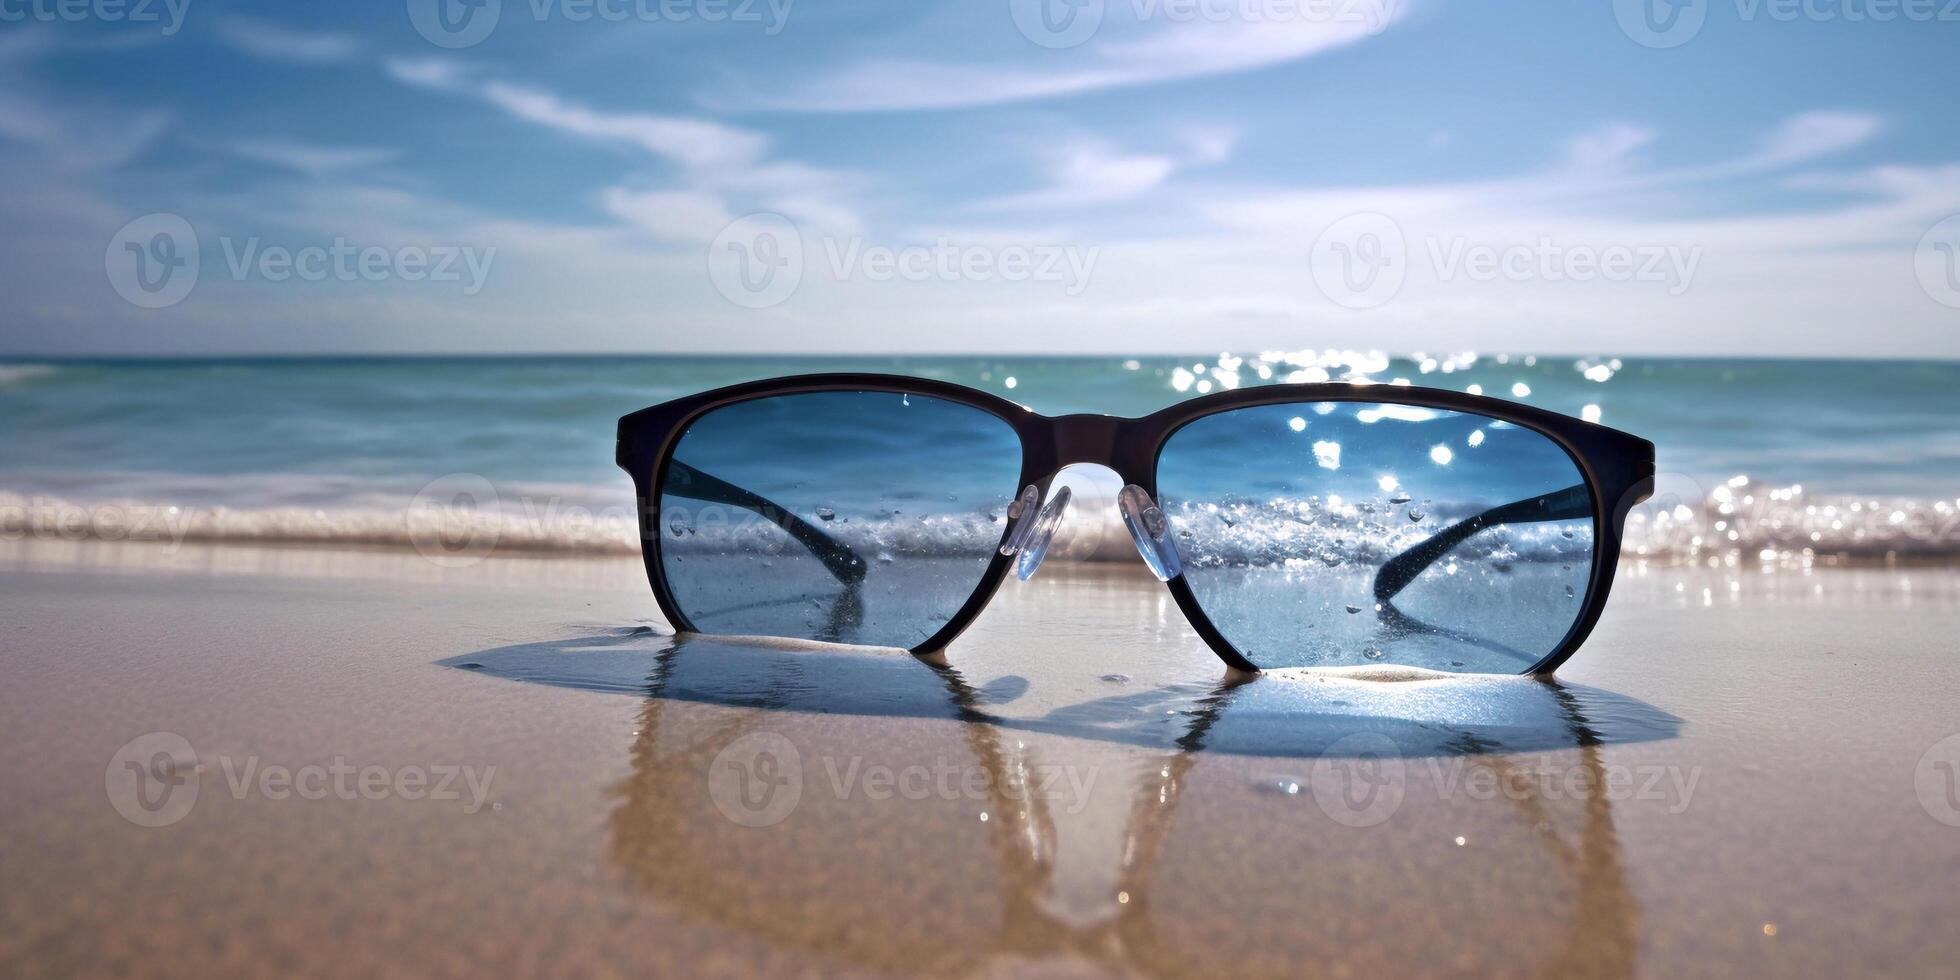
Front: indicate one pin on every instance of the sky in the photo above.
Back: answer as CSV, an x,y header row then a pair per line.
x,y
1720,177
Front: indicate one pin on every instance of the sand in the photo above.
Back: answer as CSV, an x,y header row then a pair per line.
x,y
1728,780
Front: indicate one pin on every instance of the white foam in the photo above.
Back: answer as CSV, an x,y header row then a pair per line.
x,y
15,373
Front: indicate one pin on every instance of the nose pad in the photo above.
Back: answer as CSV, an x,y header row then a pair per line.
x,y
1021,519
1041,533
1151,531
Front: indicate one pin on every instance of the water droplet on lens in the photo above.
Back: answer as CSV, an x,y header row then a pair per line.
x,y
1456,663
1353,609
885,558
1399,498
1331,559
1565,534
1116,678
1372,654
1416,516
825,513
1568,592
677,524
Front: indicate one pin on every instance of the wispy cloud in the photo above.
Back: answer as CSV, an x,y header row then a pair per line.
x,y
695,143
690,142
1092,172
685,216
277,42
314,161
715,165
1139,50
73,134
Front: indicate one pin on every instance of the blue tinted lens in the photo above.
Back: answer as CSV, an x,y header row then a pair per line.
x,y
1350,533
847,517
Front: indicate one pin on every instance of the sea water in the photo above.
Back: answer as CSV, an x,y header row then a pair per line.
x,y
1795,460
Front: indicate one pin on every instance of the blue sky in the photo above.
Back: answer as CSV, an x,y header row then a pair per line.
x,y
1107,176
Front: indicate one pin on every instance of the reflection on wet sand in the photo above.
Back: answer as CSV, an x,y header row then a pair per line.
x,y
1178,830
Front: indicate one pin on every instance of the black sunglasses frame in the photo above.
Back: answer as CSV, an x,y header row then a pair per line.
x,y
1618,470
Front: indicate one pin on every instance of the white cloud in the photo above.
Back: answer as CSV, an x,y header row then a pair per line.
x,y
1092,172
686,216
314,161
1210,144
721,168
1127,50
1813,135
70,135
1607,148
276,42
695,143
436,73
689,142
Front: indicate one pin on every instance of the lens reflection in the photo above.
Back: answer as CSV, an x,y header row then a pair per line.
x,y
1351,533
846,517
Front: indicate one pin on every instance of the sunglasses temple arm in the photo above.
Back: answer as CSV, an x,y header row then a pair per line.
x,y
838,557
1570,503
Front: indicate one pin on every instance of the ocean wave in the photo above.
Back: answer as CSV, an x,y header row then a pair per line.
x,y
15,373
1735,524
435,531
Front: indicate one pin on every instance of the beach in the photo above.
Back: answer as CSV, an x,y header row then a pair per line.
x,y
408,768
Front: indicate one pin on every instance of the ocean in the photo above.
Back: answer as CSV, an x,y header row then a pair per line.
x,y
1802,459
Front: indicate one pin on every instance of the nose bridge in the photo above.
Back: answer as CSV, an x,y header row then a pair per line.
x,y
1086,439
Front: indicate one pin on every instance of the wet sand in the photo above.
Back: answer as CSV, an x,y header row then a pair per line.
x,y
1728,780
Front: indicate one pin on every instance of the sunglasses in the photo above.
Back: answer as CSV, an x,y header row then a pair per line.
x,y
1295,525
